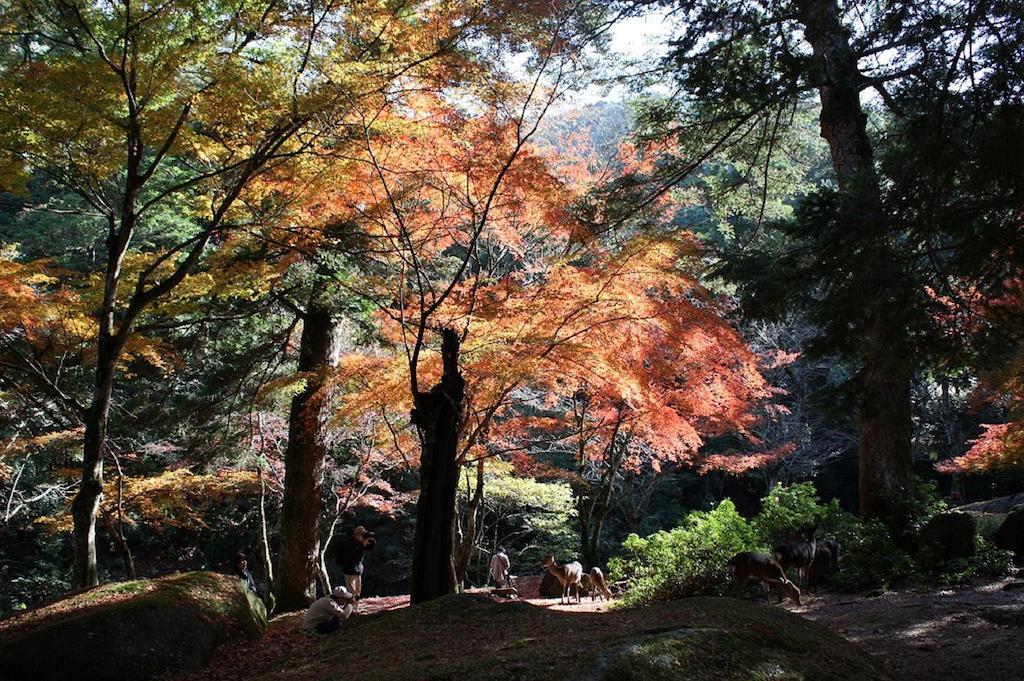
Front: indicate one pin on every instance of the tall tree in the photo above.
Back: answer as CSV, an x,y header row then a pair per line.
x,y
189,102
742,70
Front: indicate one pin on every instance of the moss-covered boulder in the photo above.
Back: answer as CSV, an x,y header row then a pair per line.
x,y
130,631
471,637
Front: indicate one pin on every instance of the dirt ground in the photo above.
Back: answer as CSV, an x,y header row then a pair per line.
x,y
962,633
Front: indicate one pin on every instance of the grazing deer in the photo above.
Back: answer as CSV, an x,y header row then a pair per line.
x,y
760,566
797,554
570,574
598,586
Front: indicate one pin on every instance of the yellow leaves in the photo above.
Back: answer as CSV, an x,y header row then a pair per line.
x,y
284,387
53,319
57,438
176,498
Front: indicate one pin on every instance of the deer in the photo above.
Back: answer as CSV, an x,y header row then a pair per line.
x,y
598,585
797,554
826,561
760,566
569,574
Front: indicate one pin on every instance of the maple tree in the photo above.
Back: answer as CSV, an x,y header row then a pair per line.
x,y
346,217
547,309
189,103
1000,447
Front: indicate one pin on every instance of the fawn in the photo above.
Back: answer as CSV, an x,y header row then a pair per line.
x,y
570,574
797,554
598,585
760,566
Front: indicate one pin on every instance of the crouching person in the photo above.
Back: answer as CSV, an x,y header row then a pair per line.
x,y
326,614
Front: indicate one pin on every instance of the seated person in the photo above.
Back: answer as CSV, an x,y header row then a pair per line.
x,y
326,614
240,567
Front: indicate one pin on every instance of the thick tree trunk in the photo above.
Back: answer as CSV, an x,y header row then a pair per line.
x,y
298,555
436,416
884,405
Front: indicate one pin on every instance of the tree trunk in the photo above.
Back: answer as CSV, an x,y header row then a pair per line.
x,y
87,502
297,560
884,404
268,564
436,416
117,531
463,550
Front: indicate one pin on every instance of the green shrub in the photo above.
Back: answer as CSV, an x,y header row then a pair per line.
x,y
686,561
869,558
911,509
691,559
786,511
989,562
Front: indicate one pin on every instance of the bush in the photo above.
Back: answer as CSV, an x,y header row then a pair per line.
x,y
989,562
786,511
686,561
691,559
911,510
869,558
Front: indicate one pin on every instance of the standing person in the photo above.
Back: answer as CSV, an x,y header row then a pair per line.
x,y
349,558
326,614
500,565
240,568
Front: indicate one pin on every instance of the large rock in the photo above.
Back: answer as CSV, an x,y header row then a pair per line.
x,y
470,637
550,587
1001,505
130,631
948,536
1010,535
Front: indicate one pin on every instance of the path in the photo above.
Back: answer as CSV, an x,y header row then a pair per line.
x,y
965,633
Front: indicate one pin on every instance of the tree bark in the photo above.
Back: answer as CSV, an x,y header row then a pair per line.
x,y
884,400
437,416
463,550
595,501
301,507
268,564
90,491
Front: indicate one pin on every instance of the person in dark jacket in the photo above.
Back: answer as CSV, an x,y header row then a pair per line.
x,y
349,557
240,568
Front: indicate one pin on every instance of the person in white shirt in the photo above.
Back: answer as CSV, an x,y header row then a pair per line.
x,y
326,614
500,565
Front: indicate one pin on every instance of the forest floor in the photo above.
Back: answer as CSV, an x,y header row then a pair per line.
x,y
964,633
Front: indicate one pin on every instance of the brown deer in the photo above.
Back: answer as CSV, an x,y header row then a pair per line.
x,y
598,585
797,554
569,574
760,566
